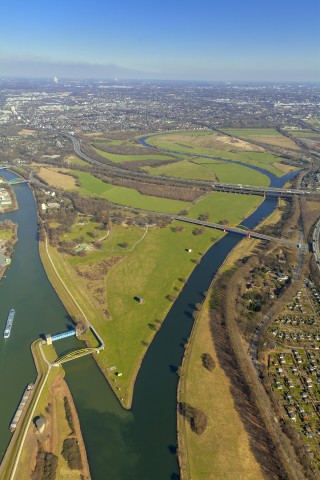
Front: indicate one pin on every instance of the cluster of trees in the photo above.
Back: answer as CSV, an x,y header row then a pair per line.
x,y
46,466
68,413
197,418
185,194
71,453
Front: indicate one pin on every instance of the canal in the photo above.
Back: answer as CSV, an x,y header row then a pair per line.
x,y
121,445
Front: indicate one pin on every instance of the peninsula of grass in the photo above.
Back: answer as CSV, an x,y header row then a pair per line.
x,y
171,142
133,263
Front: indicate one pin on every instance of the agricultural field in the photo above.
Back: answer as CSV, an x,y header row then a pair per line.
x,y
55,177
294,366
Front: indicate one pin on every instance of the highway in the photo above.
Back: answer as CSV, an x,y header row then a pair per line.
x,y
217,186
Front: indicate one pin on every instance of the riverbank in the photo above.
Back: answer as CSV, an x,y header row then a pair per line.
x,y
230,447
8,238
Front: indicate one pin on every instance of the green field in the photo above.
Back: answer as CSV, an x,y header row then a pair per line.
x,y
225,206
93,187
117,158
183,169
207,169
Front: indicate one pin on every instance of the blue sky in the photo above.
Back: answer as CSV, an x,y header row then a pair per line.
x,y
201,40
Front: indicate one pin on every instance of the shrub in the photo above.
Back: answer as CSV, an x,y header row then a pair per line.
x,y
71,453
68,414
208,362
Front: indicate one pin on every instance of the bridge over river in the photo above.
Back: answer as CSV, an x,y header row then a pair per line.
x,y
239,230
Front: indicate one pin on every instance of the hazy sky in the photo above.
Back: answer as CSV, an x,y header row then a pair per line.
x,y
176,39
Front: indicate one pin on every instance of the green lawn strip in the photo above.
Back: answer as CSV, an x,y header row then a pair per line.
x,y
183,169
232,173
223,450
92,186
225,206
117,158
251,132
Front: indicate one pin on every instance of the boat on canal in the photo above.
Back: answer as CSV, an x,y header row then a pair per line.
x,y
7,330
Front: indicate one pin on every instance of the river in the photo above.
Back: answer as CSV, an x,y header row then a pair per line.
x,y
121,445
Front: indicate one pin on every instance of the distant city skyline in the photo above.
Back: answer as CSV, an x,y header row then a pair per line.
x,y
207,40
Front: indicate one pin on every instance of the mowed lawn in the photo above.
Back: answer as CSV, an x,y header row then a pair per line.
x,y
222,452
92,186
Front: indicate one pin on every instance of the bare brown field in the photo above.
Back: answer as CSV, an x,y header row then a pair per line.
x,y
224,142
284,168
26,131
277,141
223,451
55,178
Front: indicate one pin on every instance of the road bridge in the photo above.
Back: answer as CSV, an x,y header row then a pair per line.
x,y
264,191
239,231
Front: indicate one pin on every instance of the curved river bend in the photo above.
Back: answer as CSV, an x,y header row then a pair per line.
x,y
121,445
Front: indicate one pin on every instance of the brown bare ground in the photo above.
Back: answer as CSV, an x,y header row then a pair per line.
x,y
217,142
55,178
26,131
283,167
224,142
283,142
